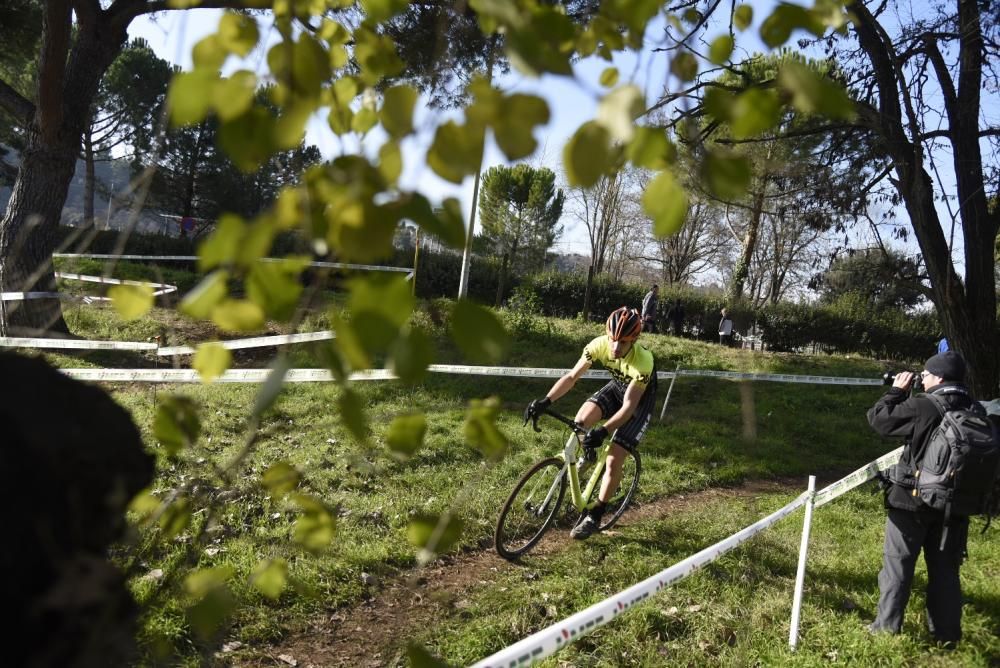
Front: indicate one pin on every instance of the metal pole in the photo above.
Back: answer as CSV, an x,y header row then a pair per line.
x,y
800,575
663,411
416,259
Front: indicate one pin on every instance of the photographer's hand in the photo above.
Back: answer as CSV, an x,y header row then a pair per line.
x,y
903,380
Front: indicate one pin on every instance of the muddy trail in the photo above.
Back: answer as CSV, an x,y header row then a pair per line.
x,y
372,632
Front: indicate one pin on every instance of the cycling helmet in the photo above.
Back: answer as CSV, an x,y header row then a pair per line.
x,y
624,324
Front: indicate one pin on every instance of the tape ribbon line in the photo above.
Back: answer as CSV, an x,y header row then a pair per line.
x,y
550,640
158,288
194,258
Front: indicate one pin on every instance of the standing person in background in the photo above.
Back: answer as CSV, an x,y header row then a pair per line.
x,y
675,315
943,345
726,329
649,306
912,526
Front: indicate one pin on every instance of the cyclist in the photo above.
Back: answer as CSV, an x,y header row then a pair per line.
x,y
625,403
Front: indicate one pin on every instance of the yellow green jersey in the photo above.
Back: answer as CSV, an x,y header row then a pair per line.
x,y
638,365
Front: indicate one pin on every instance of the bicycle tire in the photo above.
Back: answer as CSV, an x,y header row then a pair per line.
x,y
619,503
515,531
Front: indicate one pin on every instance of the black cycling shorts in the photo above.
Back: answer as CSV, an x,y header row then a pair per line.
x,y
610,398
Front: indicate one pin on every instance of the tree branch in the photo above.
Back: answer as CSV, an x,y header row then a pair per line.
x,y
16,104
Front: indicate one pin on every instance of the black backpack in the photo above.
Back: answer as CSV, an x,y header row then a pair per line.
x,y
957,470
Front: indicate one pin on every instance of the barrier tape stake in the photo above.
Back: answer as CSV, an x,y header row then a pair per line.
x,y
666,400
800,574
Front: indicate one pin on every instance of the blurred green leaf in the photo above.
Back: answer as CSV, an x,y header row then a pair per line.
x,y
719,104
351,407
411,354
684,66
214,602
609,77
271,388
248,139
390,161
755,111
813,93
397,111
389,295
223,244
131,301
364,120
743,17
457,151
144,504
727,176
316,527
434,534
786,17
238,33
351,346
209,53
481,430
478,332
206,295
587,155
406,434
176,517
445,224
238,315
176,424
211,360
421,658
515,124
376,54
720,49
270,577
280,479
190,96
618,110
233,96
650,148
274,288
666,203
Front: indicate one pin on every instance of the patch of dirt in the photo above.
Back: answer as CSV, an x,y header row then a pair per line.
x,y
373,632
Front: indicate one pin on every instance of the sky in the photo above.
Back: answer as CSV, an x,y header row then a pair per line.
x,y
571,102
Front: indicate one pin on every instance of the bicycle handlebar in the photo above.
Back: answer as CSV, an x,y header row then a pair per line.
x,y
580,431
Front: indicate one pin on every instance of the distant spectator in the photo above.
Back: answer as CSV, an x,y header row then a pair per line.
x,y
726,329
649,306
943,345
675,315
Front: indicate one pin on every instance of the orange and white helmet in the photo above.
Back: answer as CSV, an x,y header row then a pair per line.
x,y
624,324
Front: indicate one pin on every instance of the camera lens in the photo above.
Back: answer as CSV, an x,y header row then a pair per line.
x,y
888,378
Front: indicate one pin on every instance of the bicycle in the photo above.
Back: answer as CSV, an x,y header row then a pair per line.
x,y
531,508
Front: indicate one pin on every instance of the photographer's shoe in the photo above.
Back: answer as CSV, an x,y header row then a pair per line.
x,y
586,528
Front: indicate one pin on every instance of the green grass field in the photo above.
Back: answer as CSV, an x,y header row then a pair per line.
x,y
718,439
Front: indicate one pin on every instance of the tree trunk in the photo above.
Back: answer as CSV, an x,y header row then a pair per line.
x,y
66,90
502,279
742,270
88,180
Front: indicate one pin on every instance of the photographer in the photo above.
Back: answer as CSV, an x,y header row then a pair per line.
x,y
912,526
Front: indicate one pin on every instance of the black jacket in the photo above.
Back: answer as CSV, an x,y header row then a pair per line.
x,y
914,419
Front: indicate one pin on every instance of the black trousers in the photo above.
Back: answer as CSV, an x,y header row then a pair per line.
x,y
906,534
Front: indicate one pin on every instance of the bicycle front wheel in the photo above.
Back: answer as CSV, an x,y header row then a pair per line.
x,y
530,508
623,496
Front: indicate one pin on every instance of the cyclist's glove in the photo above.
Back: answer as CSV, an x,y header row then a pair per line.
x,y
536,408
594,438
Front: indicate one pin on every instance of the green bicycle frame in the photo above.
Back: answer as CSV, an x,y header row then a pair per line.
x,y
578,495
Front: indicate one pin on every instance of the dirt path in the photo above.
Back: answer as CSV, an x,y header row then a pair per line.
x,y
369,634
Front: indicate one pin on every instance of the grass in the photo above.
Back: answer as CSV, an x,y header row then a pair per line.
x,y
717,433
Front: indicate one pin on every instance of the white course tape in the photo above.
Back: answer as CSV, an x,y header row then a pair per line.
x,y
20,342
194,258
158,288
781,377
859,477
550,640
231,376
253,342
522,372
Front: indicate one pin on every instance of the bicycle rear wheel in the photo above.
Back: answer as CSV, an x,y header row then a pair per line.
x,y
530,508
623,496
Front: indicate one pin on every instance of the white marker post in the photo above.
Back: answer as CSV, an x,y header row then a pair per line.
x,y
800,575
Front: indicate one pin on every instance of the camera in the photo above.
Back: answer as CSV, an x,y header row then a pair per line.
x,y
916,385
